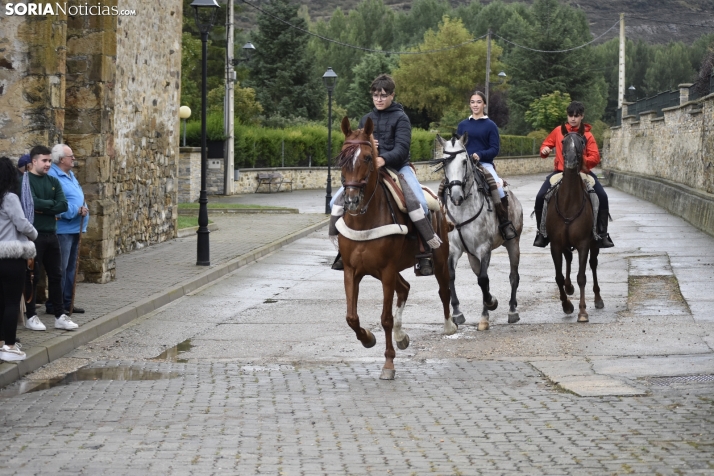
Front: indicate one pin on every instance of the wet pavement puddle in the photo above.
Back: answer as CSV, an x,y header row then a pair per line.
x,y
87,374
172,354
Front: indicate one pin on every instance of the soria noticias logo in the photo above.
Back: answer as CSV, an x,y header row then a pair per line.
x,y
48,8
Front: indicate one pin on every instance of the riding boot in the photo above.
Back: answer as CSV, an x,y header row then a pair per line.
x,y
604,241
508,231
540,240
337,264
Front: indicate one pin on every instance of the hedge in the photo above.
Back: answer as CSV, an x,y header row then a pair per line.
x,y
307,145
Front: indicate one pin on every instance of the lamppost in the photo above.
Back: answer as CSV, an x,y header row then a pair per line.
x,y
206,11
330,79
184,113
633,94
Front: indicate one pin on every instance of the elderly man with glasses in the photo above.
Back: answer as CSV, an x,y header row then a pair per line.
x,y
68,223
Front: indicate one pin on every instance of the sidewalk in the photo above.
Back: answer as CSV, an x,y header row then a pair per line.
x,y
152,277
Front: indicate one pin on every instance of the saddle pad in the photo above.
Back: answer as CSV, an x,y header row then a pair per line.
x,y
431,201
373,234
586,178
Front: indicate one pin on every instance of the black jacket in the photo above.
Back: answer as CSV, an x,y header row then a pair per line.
x,y
393,130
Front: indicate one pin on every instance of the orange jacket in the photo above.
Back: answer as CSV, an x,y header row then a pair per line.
x,y
591,155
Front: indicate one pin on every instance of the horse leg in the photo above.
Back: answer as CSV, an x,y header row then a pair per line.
x,y
490,303
352,291
594,252
444,271
401,337
569,288
514,257
582,280
458,316
557,255
389,283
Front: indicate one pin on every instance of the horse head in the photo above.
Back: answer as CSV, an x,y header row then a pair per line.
x,y
573,147
356,159
455,163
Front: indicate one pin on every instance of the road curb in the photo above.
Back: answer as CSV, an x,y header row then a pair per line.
x,y
61,345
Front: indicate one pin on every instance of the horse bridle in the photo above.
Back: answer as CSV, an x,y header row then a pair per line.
x,y
362,183
454,183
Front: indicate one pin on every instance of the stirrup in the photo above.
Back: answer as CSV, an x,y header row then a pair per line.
x,y
424,265
508,231
540,241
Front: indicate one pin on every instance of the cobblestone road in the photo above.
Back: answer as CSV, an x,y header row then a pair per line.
x,y
268,379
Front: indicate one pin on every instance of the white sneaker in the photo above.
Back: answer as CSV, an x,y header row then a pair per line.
x,y
34,323
12,354
64,322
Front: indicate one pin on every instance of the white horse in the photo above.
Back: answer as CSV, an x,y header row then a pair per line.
x,y
470,206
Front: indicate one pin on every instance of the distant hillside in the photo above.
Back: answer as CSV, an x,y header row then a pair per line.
x,y
653,21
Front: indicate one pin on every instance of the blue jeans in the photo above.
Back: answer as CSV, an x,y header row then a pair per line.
x,y
411,179
69,245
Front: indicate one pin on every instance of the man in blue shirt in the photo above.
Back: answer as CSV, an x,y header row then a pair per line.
x,y
68,223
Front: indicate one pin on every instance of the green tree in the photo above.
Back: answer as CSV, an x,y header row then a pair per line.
x,y
282,72
548,111
549,26
442,81
671,66
424,15
371,66
370,25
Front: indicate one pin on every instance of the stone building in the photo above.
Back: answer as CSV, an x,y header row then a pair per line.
x,y
107,83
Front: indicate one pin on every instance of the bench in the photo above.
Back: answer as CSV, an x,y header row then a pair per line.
x,y
272,178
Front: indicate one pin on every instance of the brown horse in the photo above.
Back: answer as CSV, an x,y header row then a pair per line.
x,y
369,206
569,224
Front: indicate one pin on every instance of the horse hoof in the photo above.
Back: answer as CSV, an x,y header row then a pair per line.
x,y
583,318
387,374
459,318
372,340
599,304
493,305
404,343
513,317
569,289
483,326
568,307
449,327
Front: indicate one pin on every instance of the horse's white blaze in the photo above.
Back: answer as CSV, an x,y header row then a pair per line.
x,y
356,157
397,330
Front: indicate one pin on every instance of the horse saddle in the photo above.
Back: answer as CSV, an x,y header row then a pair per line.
x,y
587,179
391,180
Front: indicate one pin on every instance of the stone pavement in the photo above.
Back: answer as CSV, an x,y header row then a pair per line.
x,y
151,277
268,379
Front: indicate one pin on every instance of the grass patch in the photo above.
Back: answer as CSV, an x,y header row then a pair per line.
x,y
194,206
188,222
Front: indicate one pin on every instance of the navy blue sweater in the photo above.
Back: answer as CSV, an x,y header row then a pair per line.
x,y
483,138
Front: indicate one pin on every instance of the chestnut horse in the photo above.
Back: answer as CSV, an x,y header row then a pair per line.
x,y
569,224
368,206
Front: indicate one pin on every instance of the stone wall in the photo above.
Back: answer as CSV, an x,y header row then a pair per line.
x,y
316,177
678,147
109,87
189,175
667,160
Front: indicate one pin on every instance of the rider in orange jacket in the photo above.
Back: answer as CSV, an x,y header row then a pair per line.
x,y
591,158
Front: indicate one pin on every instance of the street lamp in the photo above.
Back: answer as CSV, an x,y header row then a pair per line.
x,y
502,75
206,11
184,113
329,79
248,50
633,94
